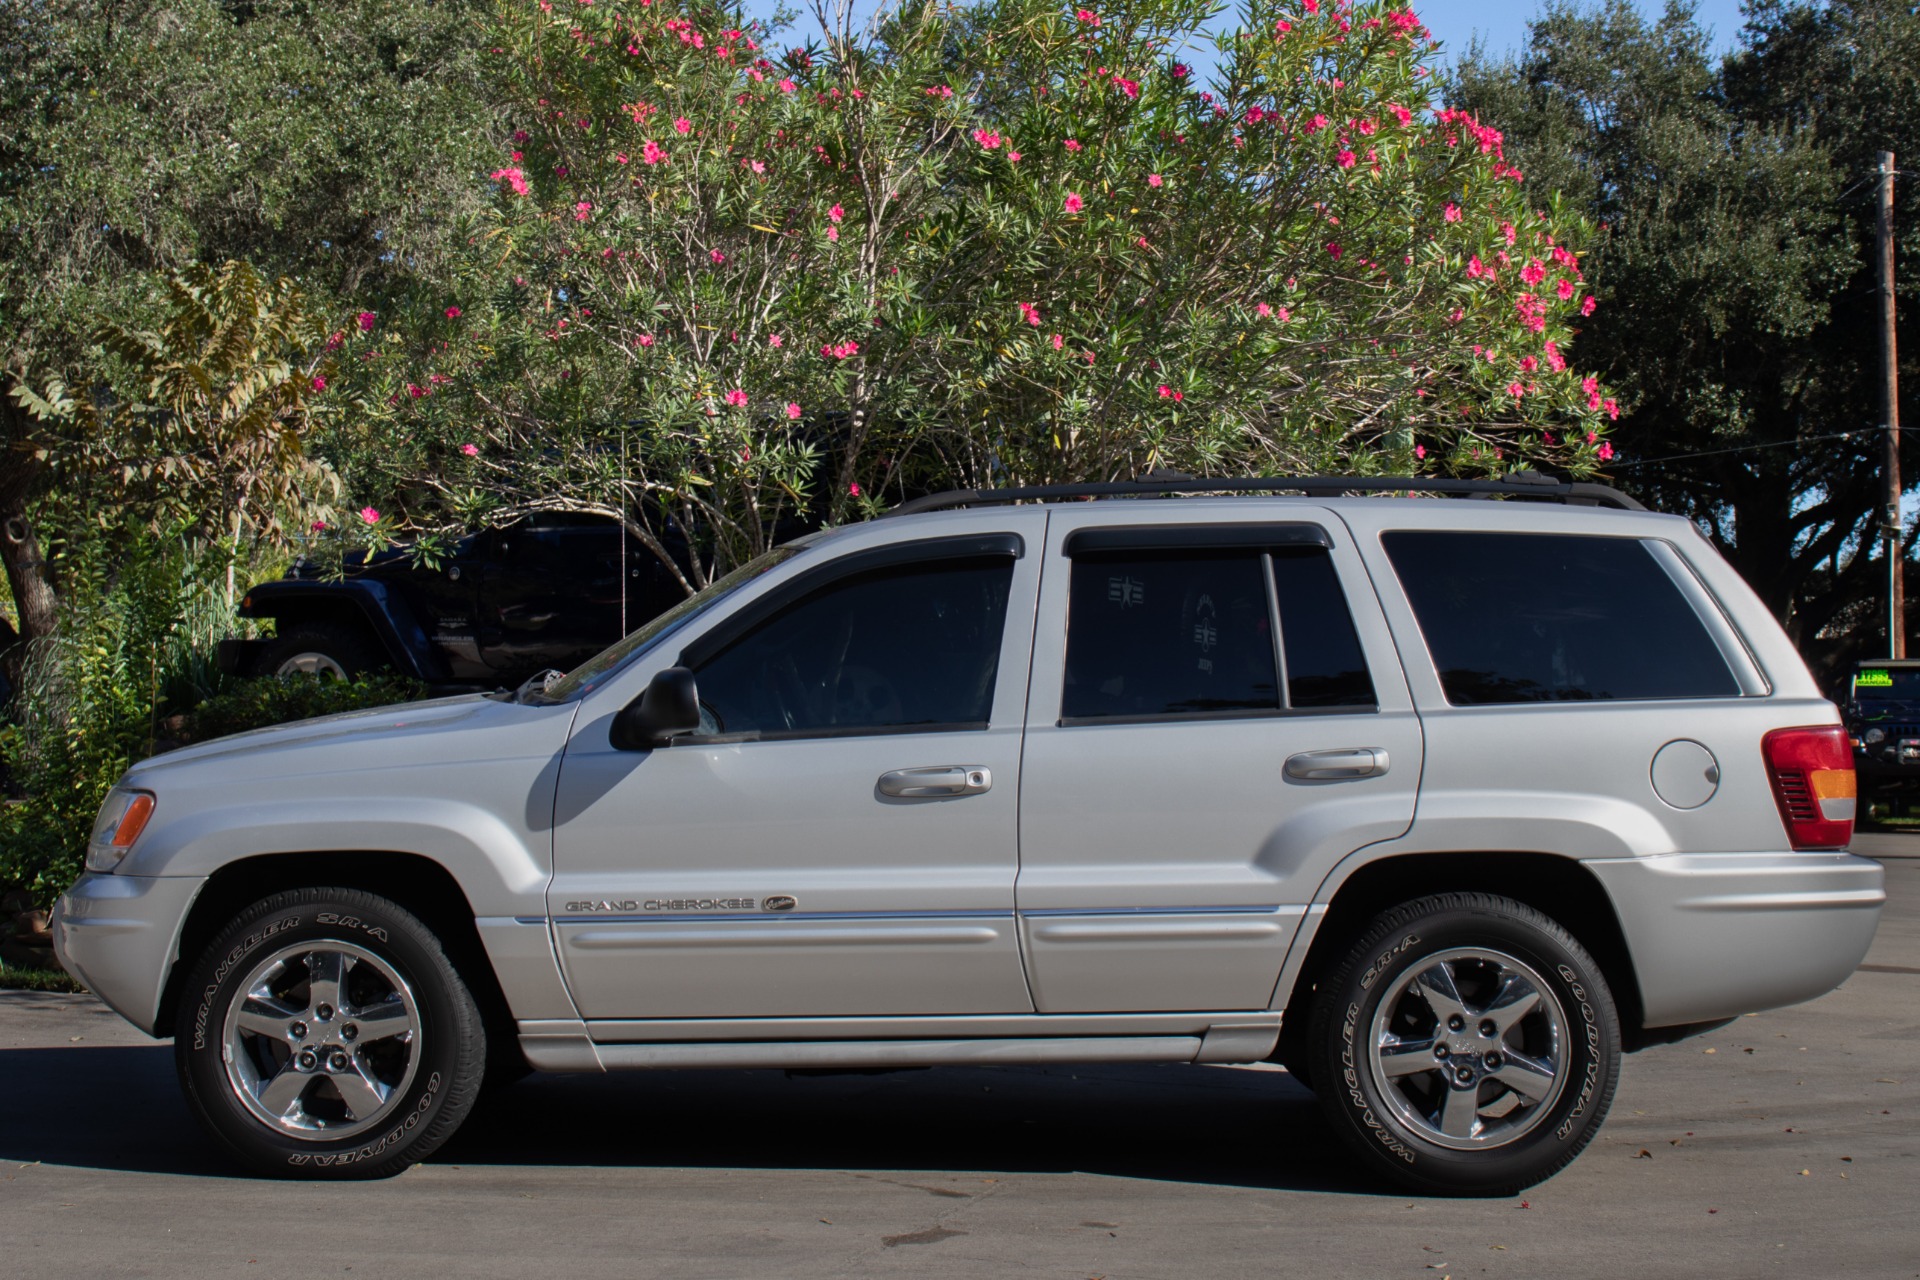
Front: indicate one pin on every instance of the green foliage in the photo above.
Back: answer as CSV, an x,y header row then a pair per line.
x,y
206,432
1735,279
19,978
256,704
989,242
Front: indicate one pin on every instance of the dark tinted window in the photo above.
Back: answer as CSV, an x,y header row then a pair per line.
x,y
1520,617
1166,633
891,650
1324,666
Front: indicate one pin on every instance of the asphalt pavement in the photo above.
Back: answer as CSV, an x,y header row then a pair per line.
x,y
1784,1143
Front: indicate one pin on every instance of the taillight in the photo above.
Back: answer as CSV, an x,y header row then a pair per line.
x,y
1812,774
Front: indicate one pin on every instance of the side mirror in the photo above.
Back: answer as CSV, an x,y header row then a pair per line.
x,y
669,706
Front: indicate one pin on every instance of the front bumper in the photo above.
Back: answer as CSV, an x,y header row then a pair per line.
x,y
120,935
1716,935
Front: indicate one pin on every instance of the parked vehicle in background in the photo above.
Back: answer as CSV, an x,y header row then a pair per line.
x,y
1882,711
1443,804
547,592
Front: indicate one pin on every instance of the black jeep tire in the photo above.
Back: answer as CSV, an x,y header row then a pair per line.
x,y
1466,1045
320,648
325,1034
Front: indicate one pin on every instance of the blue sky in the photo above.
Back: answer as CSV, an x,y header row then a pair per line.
x,y
1500,24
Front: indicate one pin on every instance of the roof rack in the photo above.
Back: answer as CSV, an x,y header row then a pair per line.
x,y
1518,484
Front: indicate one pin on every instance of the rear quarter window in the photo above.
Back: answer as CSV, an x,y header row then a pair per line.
x,y
1527,617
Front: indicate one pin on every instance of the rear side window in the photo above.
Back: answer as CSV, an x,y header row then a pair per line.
x,y
1525,617
1190,632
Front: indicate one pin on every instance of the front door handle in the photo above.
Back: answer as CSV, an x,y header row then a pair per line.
x,y
1347,762
938,780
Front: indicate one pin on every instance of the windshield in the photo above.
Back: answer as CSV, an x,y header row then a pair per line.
x,y
588,675
1886,684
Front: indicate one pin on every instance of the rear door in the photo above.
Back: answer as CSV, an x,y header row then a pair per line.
x,y
1216,715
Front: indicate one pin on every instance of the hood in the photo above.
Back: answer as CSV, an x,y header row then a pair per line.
x,y
467,728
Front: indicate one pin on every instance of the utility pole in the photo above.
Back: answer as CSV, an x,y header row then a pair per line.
x,y
1890,392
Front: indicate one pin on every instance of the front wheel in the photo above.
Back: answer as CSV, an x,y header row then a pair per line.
x,y
1467,1045
324,1034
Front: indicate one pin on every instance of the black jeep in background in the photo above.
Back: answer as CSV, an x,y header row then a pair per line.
x,y
1882,710
547,592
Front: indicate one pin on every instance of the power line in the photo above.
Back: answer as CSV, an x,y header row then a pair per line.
x,y
1749,448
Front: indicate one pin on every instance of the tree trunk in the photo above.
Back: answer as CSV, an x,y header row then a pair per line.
x,y
34,602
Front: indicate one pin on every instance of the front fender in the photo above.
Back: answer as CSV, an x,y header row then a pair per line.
x,y
385,612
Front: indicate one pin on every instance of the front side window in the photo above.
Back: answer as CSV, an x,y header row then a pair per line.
x,y
1190,631
912,648
1528,617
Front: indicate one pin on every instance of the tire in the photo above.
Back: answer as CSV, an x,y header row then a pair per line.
x,y
300,1082
322,649
1390,1059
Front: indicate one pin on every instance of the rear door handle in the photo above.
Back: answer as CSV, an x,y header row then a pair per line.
x,y
1346,762
935,781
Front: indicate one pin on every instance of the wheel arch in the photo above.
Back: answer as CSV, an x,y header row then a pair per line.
x,y
414,881
383,617
1557,886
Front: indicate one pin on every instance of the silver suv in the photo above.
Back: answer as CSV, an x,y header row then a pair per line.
x,y
1441,803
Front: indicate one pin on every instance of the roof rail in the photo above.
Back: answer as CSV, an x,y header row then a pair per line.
x,y
1518,484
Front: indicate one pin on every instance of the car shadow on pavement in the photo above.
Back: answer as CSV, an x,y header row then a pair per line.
x,y
120,1108
101,1107
1214,1125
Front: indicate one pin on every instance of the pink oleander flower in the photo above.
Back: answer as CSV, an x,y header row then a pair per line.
x,y
1564,289
1475,268
833,233
453,313
1586,307
1333,248
717,256
787,86
583,210
1281,28
1346,159
319,526
1263,311
736,397
793,410
1534,272
1311,6
1400,113
683,125
1515,390
1612,408
514,179
644,340
1451,213
1073,202
370,515
987,138
836,213
1031,314
366,319
1316,124
1606,451
854,488
1013,157
319,383
1419,451
1154,180
775,340
471,450
1087,16
1071,145
335,339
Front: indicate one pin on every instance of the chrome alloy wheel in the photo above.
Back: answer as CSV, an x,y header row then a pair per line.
x,y
311,663
322,1040
1469,1048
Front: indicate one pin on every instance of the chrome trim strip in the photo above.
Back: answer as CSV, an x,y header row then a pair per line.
x,y
903,1027
690,917
739,935
1272,909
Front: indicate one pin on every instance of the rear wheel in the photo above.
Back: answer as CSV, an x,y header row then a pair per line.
x,y
1466,1045
320,649
326,1035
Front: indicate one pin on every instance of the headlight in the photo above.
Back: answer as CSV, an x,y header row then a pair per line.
x,y
122,818
1872,736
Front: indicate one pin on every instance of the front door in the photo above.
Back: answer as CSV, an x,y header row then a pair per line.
x,y
839,838
1208,731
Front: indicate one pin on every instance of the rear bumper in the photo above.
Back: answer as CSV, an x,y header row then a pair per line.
x,y
118,934
1721,934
